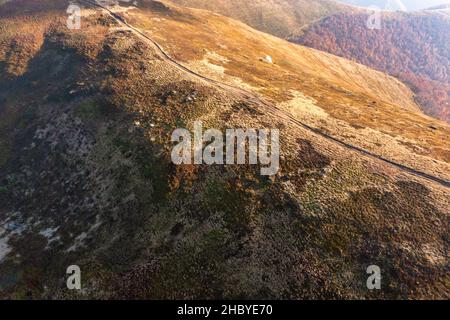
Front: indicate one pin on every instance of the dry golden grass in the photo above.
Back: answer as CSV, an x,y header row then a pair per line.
x,y
149,226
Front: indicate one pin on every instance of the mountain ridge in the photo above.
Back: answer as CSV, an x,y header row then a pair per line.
x,y
411,65
87,177
279,18
268,107
411,47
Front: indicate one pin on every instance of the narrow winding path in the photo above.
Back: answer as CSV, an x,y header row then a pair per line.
x,y
268,107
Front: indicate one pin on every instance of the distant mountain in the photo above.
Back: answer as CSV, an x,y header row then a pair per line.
x,y
277,17
396,4
87,118
439,7
411,46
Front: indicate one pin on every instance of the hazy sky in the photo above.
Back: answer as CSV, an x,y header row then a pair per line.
x,y
397,4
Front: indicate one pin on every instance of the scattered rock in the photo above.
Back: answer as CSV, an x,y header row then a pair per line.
x,y
268,59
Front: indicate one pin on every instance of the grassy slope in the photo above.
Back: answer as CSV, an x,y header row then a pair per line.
x,y
405,54
89,182
364,101
411,46
280,18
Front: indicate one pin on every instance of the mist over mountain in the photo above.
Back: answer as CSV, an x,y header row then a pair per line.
x,y
411,46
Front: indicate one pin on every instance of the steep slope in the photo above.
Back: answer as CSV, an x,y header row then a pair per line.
x,y
411,46
442,7
87,178
395,4
353,102
281,18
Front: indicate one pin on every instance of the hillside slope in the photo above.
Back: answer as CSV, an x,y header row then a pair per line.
x,y
410,46
394,5
86,118
414,47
